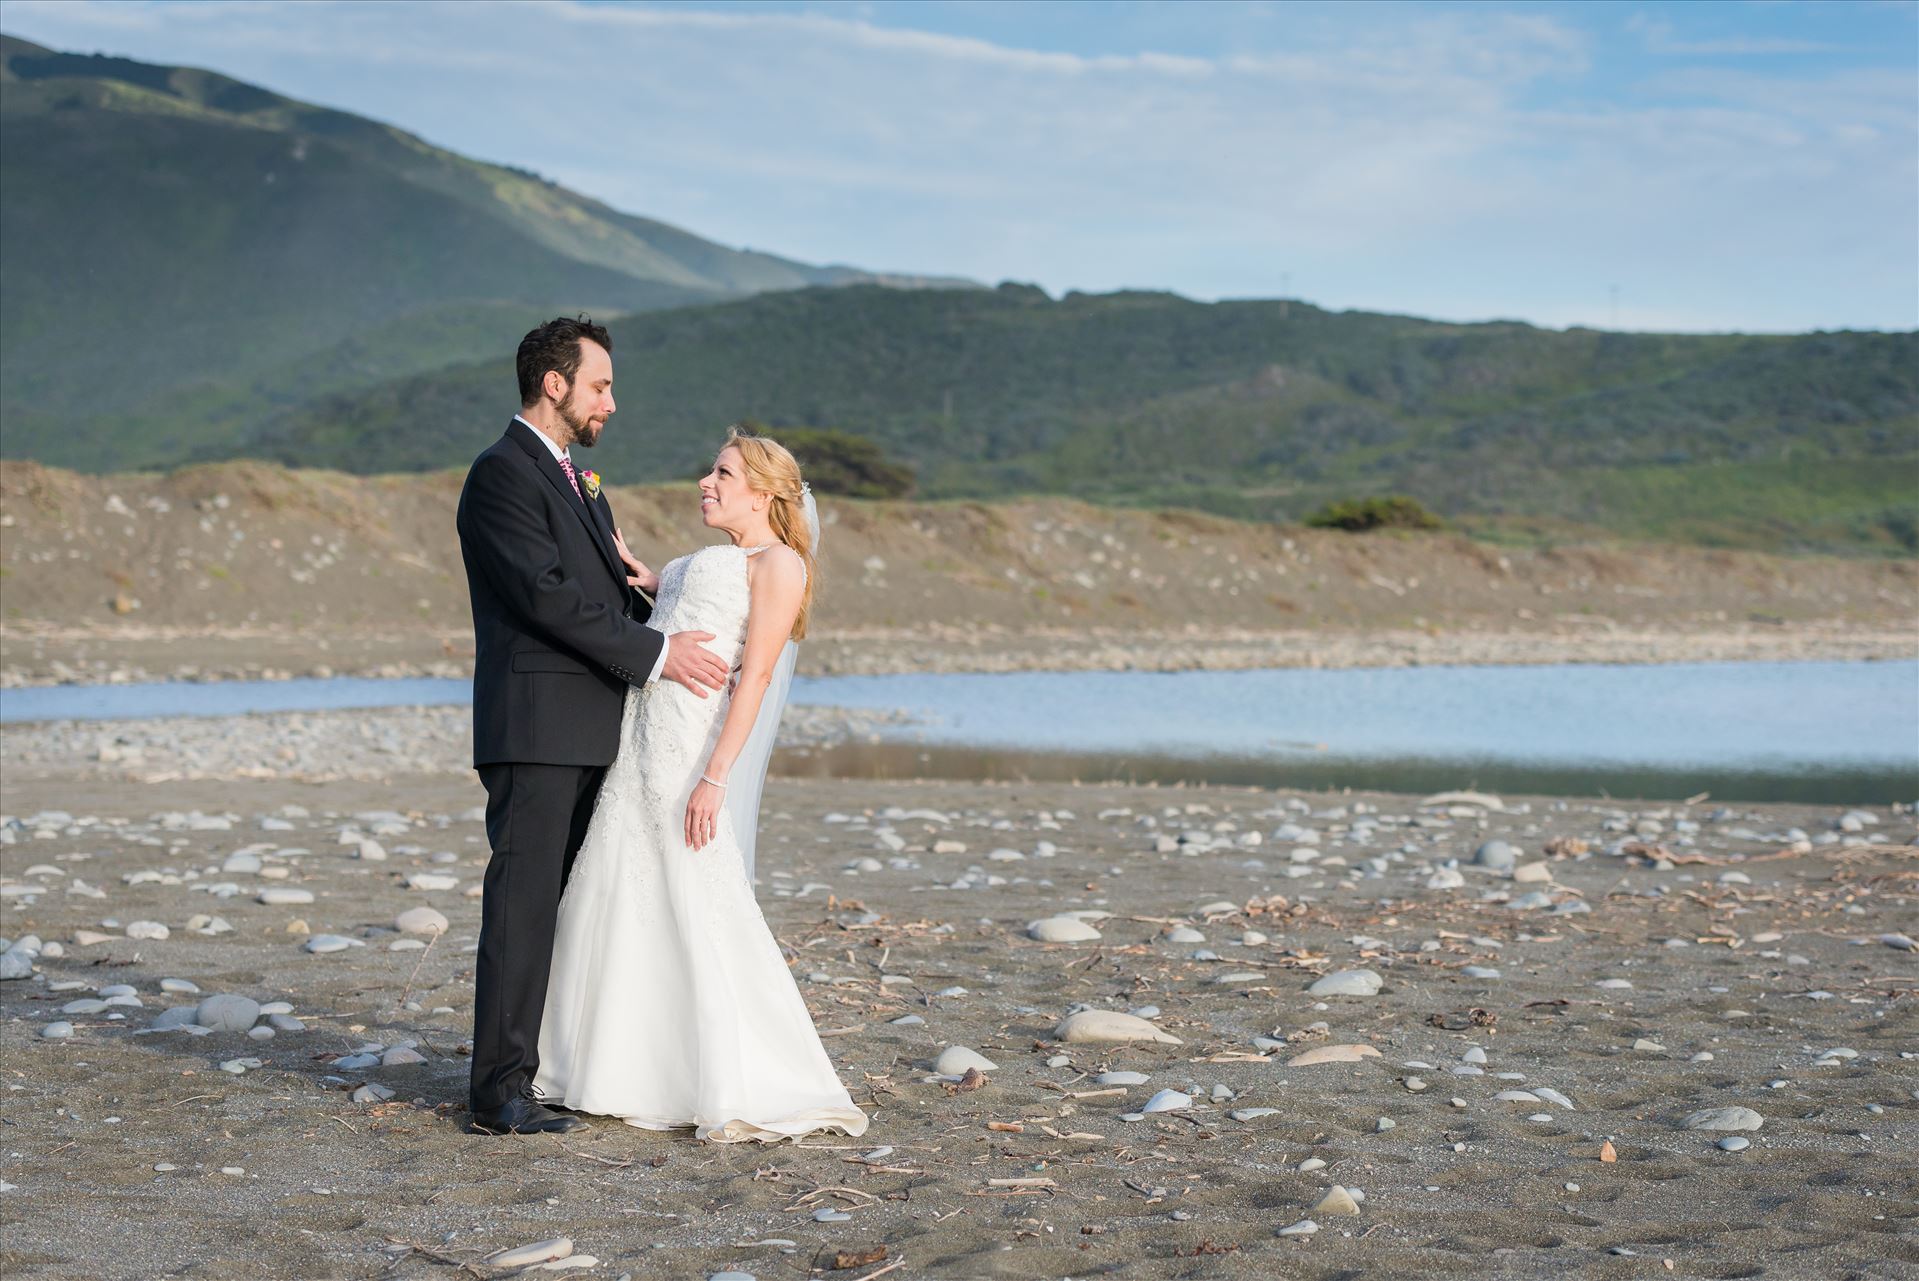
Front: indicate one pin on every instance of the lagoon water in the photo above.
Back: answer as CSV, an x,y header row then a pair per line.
x,y
1847,731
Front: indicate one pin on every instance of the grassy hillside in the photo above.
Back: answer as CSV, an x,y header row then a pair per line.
x,y
180,249
1260,409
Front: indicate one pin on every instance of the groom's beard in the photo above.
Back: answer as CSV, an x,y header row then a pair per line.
x,y
580,430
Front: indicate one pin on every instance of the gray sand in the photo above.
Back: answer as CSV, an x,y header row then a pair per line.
x,y
1765,974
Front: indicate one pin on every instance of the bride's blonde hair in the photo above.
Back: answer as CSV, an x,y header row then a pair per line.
x,y
771,469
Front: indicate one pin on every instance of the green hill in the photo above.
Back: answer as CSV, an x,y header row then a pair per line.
x,y
185,254
1261,409
197,268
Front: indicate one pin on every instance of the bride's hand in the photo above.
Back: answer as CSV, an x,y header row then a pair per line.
x,y
703,813
637,574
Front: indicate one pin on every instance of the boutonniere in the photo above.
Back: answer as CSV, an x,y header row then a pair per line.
x,y
591,479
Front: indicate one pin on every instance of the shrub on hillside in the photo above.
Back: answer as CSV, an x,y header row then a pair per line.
x,y
1358,515
838,462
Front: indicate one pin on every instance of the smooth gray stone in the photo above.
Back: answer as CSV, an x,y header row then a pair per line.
x,y
955,1059
1121,1078
321,944
1251,1114
178,1016
286,1023
1734,1118
907,1020
1497,855
1168,1101
1238,978
15,963
1734,1143
1347,983
180,987
83,1006
58,1030
1062,929
228,1013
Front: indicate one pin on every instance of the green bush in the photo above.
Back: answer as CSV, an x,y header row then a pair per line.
x,y
838,462
1358,515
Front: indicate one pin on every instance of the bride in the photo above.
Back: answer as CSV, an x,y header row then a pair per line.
x,y
670,1004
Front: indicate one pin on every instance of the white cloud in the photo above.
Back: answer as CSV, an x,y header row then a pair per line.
x,y
1460,163
1659,38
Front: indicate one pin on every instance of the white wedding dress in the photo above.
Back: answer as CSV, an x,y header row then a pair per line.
x,y
669,1003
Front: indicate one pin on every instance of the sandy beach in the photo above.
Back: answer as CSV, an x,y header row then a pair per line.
x,y
1604,974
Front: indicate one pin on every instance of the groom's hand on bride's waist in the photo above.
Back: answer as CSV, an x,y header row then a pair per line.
x,y
692,664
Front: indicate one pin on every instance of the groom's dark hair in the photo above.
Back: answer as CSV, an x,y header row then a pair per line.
x,y
556,346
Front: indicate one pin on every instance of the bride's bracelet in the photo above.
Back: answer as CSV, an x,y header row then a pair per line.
x,y
714,781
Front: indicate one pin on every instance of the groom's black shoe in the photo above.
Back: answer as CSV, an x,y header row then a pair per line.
x,y
523,1115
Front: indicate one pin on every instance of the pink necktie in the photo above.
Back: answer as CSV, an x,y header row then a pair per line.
x,y
566,465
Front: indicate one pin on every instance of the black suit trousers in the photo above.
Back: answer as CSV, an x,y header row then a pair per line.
x,y
536,820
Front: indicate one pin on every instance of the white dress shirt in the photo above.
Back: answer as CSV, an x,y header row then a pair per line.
x,y
559,453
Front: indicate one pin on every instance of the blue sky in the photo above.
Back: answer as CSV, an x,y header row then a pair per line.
x,y
1711,166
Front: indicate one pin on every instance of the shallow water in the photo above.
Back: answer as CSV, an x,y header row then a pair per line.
x,y
1802,731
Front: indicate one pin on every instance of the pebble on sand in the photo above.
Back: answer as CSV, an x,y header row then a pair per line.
x,y
1337,1201
227,1013
955,1059
421,920
1734,1118
1347,983
525,1256
1333,1054
1498,855
1109,1025
1062,929
1121,1078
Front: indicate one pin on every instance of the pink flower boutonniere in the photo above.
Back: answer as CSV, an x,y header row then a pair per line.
x,y
591,479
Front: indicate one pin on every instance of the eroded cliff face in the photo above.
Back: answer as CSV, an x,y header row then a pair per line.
x,y
255,564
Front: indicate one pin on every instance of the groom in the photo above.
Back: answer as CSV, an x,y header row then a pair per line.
x,y
559,635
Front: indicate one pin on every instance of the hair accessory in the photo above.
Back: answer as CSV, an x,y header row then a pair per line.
x,y
812,513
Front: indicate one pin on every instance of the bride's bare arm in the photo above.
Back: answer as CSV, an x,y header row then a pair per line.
x,y
777,583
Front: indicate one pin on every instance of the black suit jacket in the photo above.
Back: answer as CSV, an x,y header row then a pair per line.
x,y
558,635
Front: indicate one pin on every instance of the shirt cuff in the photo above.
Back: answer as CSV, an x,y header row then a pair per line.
x,y
658,664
